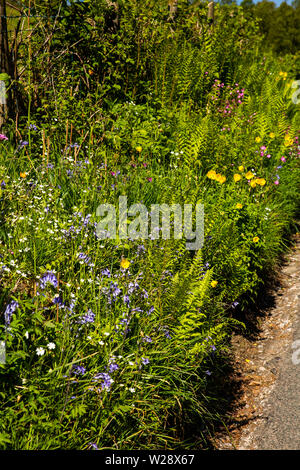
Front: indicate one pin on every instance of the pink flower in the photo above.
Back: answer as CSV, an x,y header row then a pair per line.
x,y
268,156
276,182
149,179
283,159
3,137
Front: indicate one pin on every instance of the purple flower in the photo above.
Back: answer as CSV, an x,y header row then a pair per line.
x,y
147,339
10,309
3,184
113,367
107,380
88,317
79,370
145,361
50,278
94,445
151,310
208,372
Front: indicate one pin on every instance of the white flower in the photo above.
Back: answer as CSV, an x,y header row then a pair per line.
x,y
40,351
26,335
51,346
132,389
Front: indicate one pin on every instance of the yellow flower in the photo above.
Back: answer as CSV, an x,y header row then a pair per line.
x,y
253,183
257,139
255,239
237,177
249,175
241,168
23,174
272,135
239,205
280,73
138,149
260,181
214,283
288,141
211,175
222,179
125,263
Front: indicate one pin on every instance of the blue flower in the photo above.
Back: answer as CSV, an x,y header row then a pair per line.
x,y
10,309
50,278
88,317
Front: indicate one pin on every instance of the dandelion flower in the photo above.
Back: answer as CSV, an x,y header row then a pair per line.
x,y
272,135
253,183
125,263
260,181
241,168
23,174
138,148
255,239
239,205
257,139
214,283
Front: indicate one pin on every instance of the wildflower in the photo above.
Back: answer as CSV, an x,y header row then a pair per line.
x,y
149,179
260,181
107,380
253,183
283,159
272,135
211,174
10,309
23,143
249,175
88,317
239,205
113,367
241,168
79,370
93,444
23,174
145,361
40,351
237,177
3,137
257,139
255,239
50,278
26,335
132,389
276,182
208,372
125,263
138,149
214,283
51,346
220,178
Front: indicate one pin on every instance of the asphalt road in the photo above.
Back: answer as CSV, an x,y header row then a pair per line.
x,y
281,428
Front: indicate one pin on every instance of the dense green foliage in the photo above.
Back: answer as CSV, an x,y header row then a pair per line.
x,y
120,343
